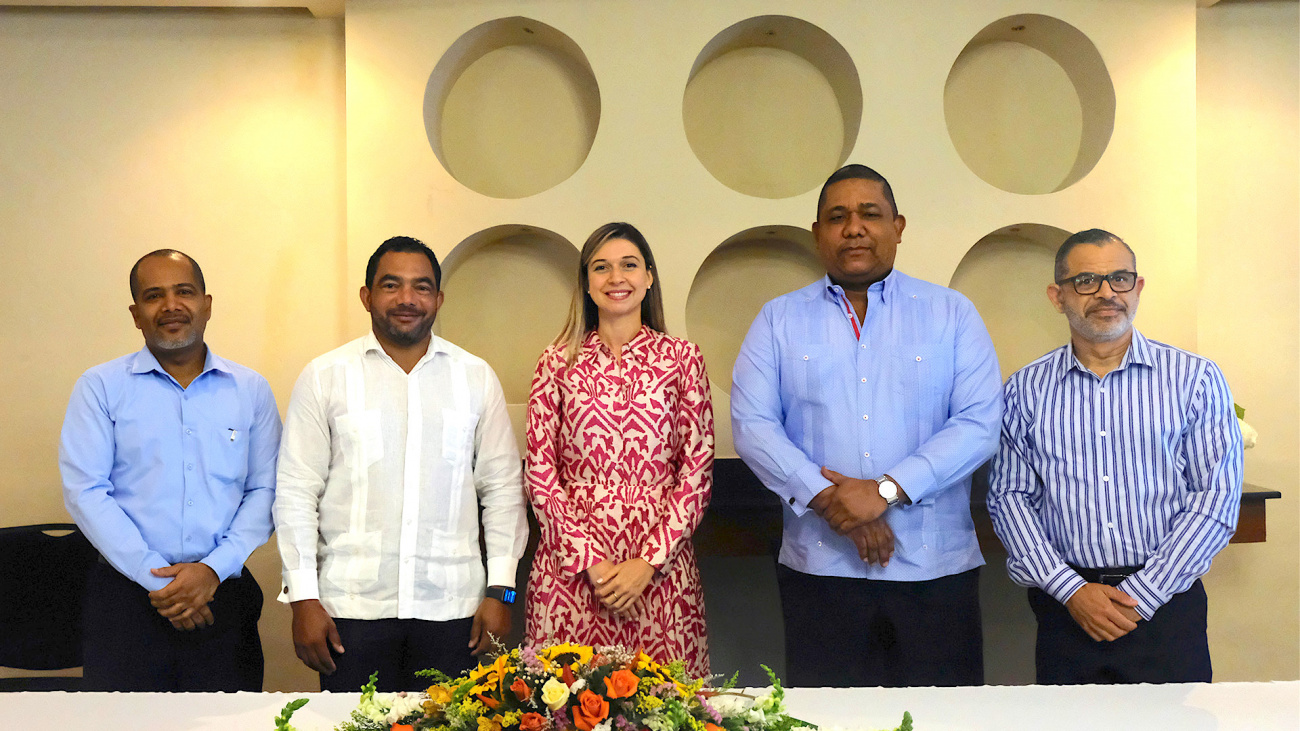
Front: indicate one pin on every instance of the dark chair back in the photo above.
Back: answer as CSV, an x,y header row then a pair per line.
x,y
43,572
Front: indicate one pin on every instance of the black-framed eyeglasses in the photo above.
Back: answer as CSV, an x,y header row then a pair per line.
x,y
1089,283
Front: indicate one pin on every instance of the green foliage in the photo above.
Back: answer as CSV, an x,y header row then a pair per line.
x,y
282,720
907,722
435,677
731,682
1241,413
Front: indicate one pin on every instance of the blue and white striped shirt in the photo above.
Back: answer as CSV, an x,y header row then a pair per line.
x,y
915,393
1140,467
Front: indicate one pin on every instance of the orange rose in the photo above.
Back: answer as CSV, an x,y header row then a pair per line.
x,y
532,722
521,689
712,727
402,727
591,710
621,684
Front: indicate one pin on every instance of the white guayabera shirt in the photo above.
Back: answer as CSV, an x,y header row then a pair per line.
x,y
380,479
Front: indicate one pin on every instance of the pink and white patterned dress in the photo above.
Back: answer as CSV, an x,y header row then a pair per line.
x,y
620,465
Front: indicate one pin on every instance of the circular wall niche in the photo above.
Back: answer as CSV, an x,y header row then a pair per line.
x,y
741,275
1029,104
508,290
511,109
772,106
1006,274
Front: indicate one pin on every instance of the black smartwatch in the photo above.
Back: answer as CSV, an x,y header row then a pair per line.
x,y
503,594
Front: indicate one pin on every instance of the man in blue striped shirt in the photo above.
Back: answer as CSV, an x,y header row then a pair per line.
x,y
1117,481
865,401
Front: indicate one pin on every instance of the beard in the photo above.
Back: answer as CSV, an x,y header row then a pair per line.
x,y
180,341
1101,331
396,334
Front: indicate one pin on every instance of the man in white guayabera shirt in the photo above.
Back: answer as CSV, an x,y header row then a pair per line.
x,y
391,445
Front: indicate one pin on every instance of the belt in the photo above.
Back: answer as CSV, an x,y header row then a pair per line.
x,y
1108,576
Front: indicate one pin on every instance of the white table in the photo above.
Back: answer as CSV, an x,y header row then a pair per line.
x,y
1191,707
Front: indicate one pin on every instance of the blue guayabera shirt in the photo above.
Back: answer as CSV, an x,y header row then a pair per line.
x,y
155,474
1142,466
916,395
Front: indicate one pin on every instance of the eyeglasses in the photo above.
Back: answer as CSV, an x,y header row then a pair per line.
x,y
1089,283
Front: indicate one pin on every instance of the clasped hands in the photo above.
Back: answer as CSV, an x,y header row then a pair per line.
x,y
618,586
854,508
1103,611
184,601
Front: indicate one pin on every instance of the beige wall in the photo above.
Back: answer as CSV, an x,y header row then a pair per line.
x,y
217,133
1248,172
223,134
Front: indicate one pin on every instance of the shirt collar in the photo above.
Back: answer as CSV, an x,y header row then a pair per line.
x,y
638,345
146,362
887,287
1138,353
370,344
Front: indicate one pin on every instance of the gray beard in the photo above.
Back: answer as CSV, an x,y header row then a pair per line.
x,y
1082,325
179,343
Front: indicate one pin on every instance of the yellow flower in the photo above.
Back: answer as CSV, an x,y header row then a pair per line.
x,y
439,695
554,693
489,724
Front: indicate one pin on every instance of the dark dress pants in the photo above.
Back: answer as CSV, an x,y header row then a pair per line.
x,y
1170,648
128,646
397,649
843,632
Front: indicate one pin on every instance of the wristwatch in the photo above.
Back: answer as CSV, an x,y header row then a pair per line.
x,y
503,594
888,489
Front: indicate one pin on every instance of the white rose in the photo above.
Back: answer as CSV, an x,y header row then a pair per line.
x,y
578,685
554,693
730,705
1248,434
602,726
405,705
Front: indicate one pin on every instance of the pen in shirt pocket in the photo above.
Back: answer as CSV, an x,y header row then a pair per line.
x,y
233,434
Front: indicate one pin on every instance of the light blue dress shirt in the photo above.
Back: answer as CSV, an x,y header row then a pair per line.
x,y
1140,467
155,474
917,396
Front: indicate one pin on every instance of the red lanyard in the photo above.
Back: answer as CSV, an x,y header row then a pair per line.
x,y
853,317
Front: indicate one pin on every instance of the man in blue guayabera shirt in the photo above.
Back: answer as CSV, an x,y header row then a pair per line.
x,y
168,459
865,401
1117,481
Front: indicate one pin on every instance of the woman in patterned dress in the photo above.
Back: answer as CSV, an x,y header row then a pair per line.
x,y
620,465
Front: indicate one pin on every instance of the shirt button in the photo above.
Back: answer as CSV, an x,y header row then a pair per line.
x,y
865,417
918,359
863,346
1103,432
819,543
189,431
792,501
864,380
189,502
805,357
189,466
866,454
1110,525
1105,478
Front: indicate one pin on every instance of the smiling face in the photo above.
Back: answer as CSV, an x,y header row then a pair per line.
x,y
171,310
617,279
1105,315
404,301
857,233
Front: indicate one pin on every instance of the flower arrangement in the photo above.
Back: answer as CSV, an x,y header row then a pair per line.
x,y
567,687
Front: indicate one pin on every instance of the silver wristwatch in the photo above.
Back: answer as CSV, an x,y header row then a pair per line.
x,y
888,489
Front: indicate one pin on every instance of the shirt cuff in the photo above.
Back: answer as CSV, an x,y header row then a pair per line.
x,y
222,564
299,584
914,476
501,571
804,485
1147,598
1063,583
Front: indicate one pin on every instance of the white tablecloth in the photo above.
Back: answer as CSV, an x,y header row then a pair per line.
x,y
1192,707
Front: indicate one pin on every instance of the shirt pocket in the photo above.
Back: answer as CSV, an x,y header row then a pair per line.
x,y
922,371
361,435
812,373
458,436
455,568
352,560
226,452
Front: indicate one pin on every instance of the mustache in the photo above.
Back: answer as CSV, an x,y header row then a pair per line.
x,y
1114,304
405,310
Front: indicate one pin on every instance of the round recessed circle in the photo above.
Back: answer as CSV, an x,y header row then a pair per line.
x,y
772,106
1029,104
741,275
508,290
1006,274
512,107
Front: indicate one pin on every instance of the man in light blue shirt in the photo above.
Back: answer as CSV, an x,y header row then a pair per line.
x,y
865,401
168,458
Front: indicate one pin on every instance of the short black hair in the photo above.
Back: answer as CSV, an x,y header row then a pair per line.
x,y
1094,236
403,244
134,279
856,172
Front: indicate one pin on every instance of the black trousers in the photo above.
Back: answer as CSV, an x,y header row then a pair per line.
x,y
860,632
128,646
396,649
1170,648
